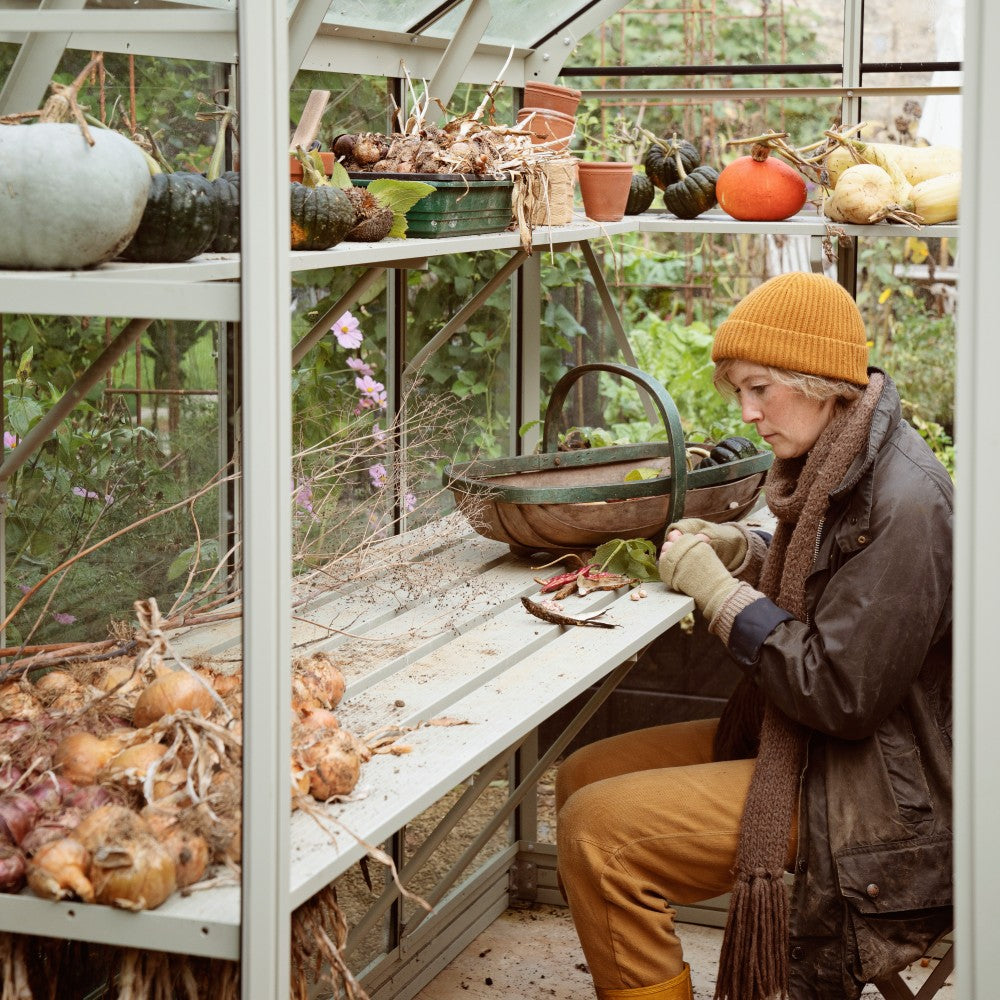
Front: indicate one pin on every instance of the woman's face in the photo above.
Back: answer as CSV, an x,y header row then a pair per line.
x,y
786,419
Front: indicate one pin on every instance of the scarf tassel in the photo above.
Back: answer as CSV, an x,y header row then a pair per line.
x,y
753,963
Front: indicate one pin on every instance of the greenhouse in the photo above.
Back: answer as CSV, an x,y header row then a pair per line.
x,y
360,360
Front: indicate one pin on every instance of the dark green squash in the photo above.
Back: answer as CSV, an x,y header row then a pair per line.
x,y
732,448
694,192
179,221
640,194
227,192
321,216
662,157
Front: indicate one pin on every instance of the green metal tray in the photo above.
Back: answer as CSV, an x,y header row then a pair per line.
x,y
564,501
461,205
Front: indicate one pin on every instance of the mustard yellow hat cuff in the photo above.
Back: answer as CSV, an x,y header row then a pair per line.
x,y
792,349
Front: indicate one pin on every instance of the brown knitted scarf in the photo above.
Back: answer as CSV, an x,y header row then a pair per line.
x,y
753,964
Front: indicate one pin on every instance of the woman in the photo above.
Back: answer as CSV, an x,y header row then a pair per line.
x,y
832,759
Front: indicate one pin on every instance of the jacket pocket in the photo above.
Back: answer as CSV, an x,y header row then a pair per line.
x,y
898,899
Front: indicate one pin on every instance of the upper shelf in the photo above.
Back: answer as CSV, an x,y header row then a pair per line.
x,y
206,288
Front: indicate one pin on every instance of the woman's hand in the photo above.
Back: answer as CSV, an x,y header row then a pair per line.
x,y
727,540
689,565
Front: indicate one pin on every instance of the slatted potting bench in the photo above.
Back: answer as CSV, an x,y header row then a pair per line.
x,y
435,631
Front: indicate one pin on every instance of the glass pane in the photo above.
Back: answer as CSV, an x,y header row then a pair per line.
x,y
685,34
382,15
919,31
515,22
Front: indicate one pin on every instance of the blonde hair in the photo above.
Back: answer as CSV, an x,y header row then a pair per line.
x,y
817,387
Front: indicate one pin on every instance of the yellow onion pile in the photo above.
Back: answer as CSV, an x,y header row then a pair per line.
x,y
120,782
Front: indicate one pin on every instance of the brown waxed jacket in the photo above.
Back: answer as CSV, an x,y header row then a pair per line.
x,y
869,673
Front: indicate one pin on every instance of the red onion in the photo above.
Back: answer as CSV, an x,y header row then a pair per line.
x,y
13,869
18,814
10,775
54,827
47,791
88,798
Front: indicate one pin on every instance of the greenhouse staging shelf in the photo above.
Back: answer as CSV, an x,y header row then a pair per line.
x,y
459,648
205,287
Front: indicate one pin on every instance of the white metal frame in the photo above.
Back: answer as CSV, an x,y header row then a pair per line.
x,y
260,36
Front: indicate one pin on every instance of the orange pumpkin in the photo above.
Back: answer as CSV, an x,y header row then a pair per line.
x,y
760,187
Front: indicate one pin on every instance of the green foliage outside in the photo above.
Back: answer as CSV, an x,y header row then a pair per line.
x,y
671,293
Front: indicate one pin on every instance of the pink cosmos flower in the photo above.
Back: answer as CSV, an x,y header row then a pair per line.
x,y
63,618
362,367
347,330
85,493
409,503
10,440
378,474
379,435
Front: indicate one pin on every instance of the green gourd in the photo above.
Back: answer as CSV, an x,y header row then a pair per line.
x,y
693,193
321,216
640,194
664,155
227,193
732,448
179,222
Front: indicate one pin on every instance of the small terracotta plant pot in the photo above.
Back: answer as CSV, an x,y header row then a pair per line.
x,y
551,96
295,168
549,128
604,187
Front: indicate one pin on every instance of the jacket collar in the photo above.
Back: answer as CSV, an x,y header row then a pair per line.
x,y
885,419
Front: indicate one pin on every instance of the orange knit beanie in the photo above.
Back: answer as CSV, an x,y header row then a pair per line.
x,y
801,322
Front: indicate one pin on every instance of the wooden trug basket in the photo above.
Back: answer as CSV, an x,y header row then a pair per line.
x,y
570,501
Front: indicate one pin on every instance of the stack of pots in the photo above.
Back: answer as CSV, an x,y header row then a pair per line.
x,y
604,186
550,112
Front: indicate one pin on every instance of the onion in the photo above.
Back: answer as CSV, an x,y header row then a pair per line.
x,y
177,691
88,798
333,763
129,868
132,764
189,850
59,871
57,682
224,684
18,814
10,775
317,682
13,868
79,757
48,791
125,676
16,703
55,827
134,874
318,718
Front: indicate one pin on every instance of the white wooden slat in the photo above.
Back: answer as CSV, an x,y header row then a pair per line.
x,y
356,606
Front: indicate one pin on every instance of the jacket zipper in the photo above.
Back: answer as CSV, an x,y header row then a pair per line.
x,y
819,538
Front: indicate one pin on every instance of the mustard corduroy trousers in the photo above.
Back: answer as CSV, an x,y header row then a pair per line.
x,y
646,821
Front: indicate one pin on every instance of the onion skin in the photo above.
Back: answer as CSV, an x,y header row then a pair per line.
x,y
177,691
59,871
133,763
13,869
10,775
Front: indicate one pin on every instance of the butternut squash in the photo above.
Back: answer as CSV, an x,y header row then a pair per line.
x,y
918,163
936,199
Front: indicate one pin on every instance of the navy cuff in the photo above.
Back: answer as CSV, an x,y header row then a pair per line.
x,y
766,535
751,628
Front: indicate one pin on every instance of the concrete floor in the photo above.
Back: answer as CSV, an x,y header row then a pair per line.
x,y
534,954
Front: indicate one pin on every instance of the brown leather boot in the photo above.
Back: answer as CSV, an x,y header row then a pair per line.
x,y
678,988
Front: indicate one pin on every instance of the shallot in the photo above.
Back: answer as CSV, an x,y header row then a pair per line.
x,y
13,868
317,682
333,762
58,870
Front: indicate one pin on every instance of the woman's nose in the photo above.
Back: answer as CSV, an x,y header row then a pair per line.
x,y
751,412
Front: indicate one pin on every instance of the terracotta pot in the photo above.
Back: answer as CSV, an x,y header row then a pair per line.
x,y
551,128
604,186
295,168
551,96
